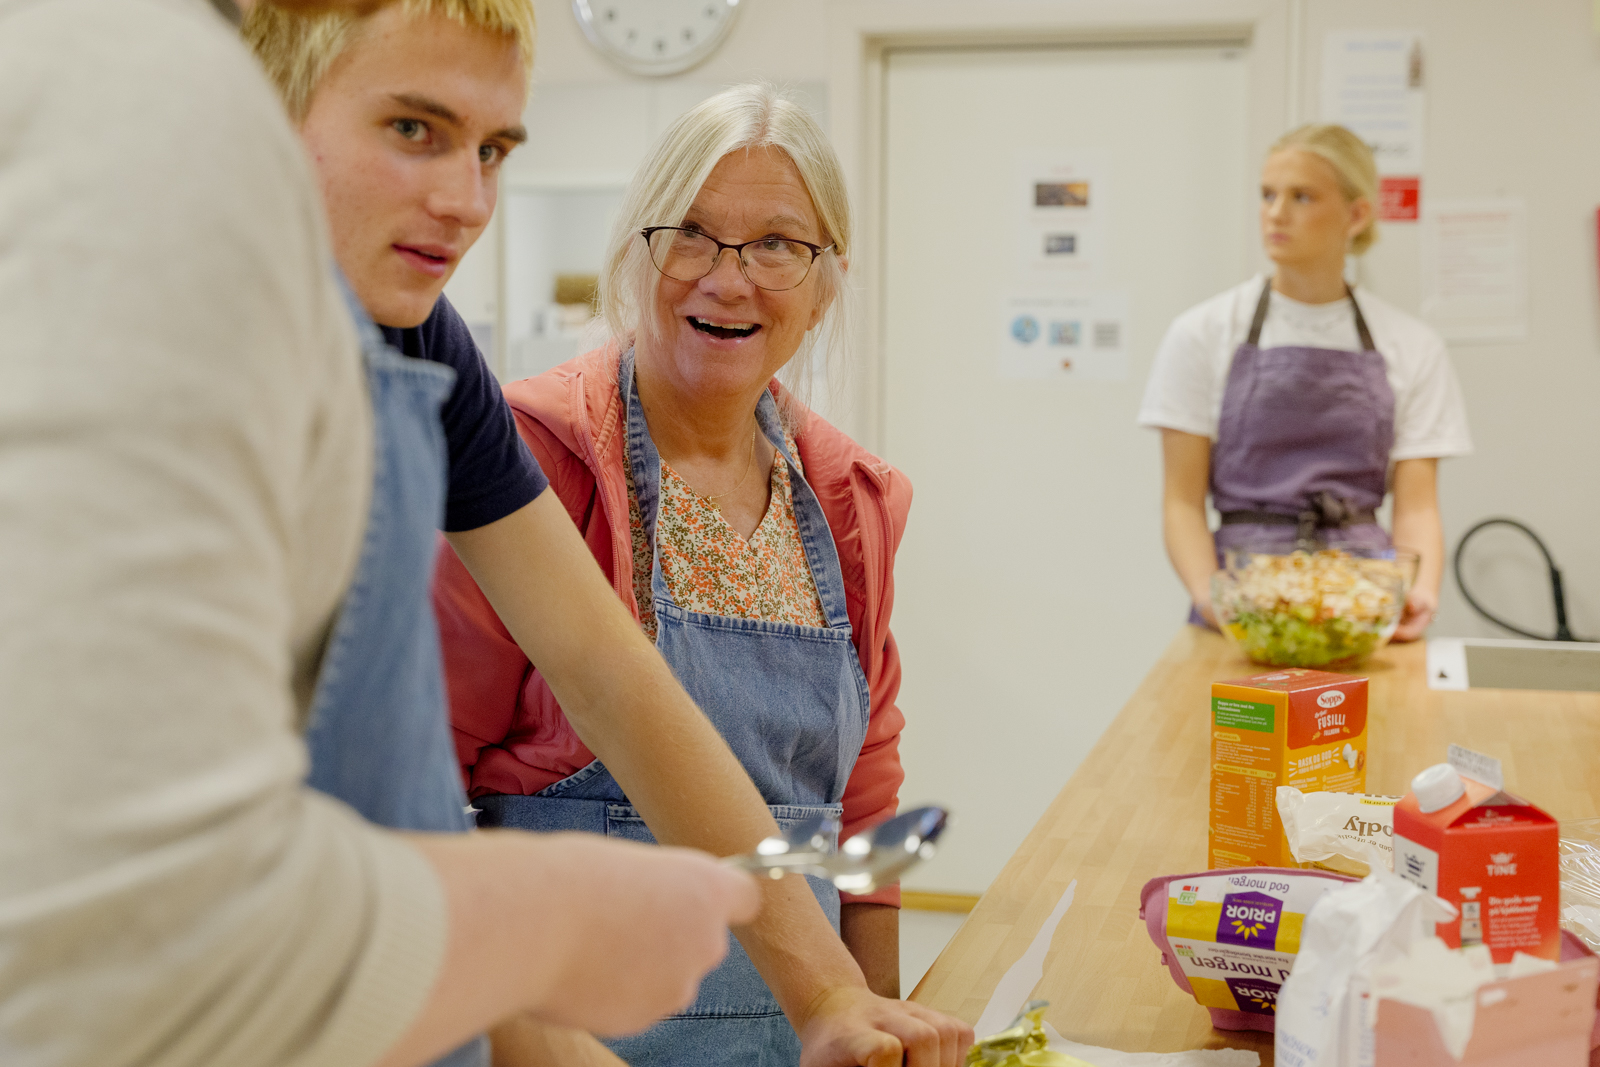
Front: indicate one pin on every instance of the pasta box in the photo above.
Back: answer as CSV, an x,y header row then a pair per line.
x,y
1294,727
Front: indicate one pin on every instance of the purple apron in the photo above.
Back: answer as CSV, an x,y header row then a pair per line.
x,y
1303,443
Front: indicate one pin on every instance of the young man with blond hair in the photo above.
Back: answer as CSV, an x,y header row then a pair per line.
x,y
408,115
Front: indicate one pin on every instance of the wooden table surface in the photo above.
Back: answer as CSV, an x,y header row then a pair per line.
x,y
1136,809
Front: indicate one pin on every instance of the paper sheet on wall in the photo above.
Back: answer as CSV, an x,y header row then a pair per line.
x,y
1372,84
1081,335
1474,281
1061,211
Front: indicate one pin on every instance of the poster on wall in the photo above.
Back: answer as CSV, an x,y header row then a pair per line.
x,y
1474,269
1372,83
1061,211
1062,336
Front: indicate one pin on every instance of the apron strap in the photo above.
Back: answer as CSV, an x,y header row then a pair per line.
x,y
1361,323
1261,314
1261,318
1321,510
1324,511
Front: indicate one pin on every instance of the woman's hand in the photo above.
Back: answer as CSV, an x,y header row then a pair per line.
x,y
853,1027
1419,612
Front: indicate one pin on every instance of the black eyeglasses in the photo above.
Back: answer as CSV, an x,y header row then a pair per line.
x,y
771,263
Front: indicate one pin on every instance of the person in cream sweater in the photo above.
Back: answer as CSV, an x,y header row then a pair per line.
x,y
185,462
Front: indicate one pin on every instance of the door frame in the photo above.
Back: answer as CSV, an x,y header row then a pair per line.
x,y
863,33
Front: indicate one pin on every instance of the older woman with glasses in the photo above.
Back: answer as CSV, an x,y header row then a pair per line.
x,y
755,544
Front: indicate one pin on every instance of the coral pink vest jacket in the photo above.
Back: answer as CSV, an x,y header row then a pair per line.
x,y
511,736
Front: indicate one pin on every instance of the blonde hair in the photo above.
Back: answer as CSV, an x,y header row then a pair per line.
x,y
666,184
296,50
1352,163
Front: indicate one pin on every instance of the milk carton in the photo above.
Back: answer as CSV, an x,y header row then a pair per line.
x,y
1494,856
1294,727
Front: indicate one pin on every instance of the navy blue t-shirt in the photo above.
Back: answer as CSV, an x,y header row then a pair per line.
x,y
492,473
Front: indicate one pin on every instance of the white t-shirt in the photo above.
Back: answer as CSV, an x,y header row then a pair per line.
x,y
1191,366
185,470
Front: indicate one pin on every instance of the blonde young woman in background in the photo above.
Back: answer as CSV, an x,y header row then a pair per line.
x,y
1297,401
755,545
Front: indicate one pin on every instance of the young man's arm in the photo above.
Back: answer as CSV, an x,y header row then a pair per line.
x,y
544,584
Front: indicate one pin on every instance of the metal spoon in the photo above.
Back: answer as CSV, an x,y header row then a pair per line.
x,y
861,864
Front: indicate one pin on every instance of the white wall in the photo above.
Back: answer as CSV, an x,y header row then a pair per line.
x,y
1513,98
1024,613
1513,108
772,39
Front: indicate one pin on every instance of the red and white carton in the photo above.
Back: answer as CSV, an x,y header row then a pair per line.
x,y
1492,855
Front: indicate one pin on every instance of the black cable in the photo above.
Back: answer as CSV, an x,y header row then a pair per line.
x,y
1557,591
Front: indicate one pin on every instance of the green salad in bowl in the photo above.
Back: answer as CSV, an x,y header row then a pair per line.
x,y
1329,608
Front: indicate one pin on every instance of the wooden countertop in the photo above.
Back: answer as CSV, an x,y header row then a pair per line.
x,y
1137,809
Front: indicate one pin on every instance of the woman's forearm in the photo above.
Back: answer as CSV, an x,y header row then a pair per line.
x,y
872,934
1186,476
1418,527
1417,524
1191,549
1423,533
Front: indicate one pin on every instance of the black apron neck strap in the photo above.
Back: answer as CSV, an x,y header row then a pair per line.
x,y
1361,323
1261,318
1261,314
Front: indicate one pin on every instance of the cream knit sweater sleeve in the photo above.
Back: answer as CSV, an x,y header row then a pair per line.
x,y
185,456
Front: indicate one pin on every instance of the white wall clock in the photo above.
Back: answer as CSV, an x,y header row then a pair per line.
x,y
655,36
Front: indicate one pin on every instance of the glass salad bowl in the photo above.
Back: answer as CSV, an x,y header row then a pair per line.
x,y
1330,608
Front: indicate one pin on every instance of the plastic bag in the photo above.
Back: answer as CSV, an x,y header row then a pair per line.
x,y
1340,832
1580,880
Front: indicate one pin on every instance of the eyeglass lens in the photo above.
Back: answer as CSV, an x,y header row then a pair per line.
x,y
688,256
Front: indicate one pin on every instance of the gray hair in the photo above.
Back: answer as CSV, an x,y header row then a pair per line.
x,y
666,184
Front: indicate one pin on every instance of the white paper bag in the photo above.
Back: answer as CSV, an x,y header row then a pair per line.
x,y
1321,1019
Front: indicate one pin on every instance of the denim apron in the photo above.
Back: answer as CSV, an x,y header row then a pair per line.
x,y
378,735
791,702
1303,444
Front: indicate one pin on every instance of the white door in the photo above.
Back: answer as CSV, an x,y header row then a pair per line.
x,y
1095,193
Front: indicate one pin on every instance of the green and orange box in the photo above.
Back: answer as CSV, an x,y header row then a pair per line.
x,y
1294,727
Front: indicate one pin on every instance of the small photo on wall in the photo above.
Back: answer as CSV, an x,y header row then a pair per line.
x,y
1066,333
1060,244
1060,194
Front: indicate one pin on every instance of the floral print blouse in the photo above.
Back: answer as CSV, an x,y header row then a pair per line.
x,y
710,569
